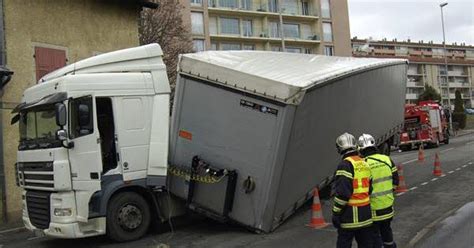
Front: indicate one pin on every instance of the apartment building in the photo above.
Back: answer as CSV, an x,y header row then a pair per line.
x,y
427,66
307,26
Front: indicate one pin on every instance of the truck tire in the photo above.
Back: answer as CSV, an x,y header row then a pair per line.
x,y
404,148
446,139
128,217
385,148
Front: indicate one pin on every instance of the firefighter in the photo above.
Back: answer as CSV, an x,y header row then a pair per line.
x,y
351,213
384,181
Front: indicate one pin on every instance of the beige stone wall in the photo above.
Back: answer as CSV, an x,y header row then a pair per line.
x,y
340,28
82,27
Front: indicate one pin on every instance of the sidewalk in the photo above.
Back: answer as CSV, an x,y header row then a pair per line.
x,y
463,132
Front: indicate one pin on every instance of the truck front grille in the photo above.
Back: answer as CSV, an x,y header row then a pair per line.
x,y
38,206
36,175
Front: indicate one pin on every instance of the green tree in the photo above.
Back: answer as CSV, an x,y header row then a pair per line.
x,y
429,94
459,116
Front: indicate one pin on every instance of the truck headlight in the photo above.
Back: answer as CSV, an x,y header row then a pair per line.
x,y
62,212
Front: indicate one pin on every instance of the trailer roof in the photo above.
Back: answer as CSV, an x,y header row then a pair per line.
x,y
284,77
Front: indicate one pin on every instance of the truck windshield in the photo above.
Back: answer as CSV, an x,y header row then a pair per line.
x,y
38,124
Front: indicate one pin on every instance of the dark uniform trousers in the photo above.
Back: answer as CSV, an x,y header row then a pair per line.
x,y
383,236
364,237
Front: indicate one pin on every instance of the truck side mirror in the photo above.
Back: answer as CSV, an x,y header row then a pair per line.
x,y
84,115
61,115
61,135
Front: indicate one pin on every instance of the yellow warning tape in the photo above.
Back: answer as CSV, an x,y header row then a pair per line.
x,y
186,174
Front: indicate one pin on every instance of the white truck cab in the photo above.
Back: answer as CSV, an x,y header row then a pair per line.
x,y
87,132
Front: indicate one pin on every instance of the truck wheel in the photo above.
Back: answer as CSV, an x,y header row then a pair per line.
x,y
446,139
404,148
385,149
128,217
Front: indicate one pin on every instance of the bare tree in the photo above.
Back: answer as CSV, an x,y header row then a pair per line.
x,y
165,26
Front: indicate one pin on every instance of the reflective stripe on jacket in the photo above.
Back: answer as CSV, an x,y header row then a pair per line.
x,y
381,198
351,187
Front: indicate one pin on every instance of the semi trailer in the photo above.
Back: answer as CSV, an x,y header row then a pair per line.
x,y
250,135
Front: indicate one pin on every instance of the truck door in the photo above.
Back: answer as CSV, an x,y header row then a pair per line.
x,y
85,156
133,116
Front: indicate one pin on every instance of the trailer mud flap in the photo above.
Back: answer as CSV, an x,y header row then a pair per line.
x,y
213,199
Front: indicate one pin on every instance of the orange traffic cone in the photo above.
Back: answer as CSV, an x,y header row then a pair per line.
x,y
437,166
402,187
317,219
421,154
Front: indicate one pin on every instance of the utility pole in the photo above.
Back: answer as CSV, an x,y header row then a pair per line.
x,y
446,66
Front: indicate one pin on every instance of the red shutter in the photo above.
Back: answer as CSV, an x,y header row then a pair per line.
x,y
48,60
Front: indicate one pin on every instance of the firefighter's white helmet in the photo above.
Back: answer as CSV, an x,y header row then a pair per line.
x,y
366,141
346,143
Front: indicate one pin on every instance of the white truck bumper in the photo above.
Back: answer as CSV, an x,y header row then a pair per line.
x,y
93,227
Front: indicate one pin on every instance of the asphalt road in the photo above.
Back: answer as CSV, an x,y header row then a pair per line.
x,y
425,215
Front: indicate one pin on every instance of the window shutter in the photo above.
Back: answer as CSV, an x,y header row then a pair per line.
x,y
48,60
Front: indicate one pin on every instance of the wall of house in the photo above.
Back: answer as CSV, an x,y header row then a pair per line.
x,y
82,28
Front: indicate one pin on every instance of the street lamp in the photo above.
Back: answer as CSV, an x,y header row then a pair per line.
x,y
446,64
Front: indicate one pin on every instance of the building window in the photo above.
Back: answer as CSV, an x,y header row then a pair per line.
x,y
291,30
230,46
212,25
306,32
328,51
308,51
211,3
48,60
246,4
289,6
214,46
228,3
293,49
273,5
327,32
248,47
305,8
197,23
247,28
198,45
196,2
274,31
325,9
230,26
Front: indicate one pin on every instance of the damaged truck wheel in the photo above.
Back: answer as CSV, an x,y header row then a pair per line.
x,y
128,217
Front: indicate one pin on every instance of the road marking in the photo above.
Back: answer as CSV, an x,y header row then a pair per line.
x,y
401,193
468,143
451,172
449,149
458,169
443,175
11,230
33,238
470,162
409,161
464,166
425,183
434,179
413,188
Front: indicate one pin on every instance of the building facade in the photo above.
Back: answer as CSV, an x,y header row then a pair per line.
x,y
427,66
307,26
40,36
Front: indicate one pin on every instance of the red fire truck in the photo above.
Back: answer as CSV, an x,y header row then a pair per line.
x,y
425,123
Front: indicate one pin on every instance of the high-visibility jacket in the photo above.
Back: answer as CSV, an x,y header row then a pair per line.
x,y
351,189
381,198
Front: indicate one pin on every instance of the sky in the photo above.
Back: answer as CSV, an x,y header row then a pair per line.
x,y
412,19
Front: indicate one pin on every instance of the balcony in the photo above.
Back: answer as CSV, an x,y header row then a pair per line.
x,y
456,74
415,84
453,96
414,53
411,96
296,15
384,51
264,37
458,85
